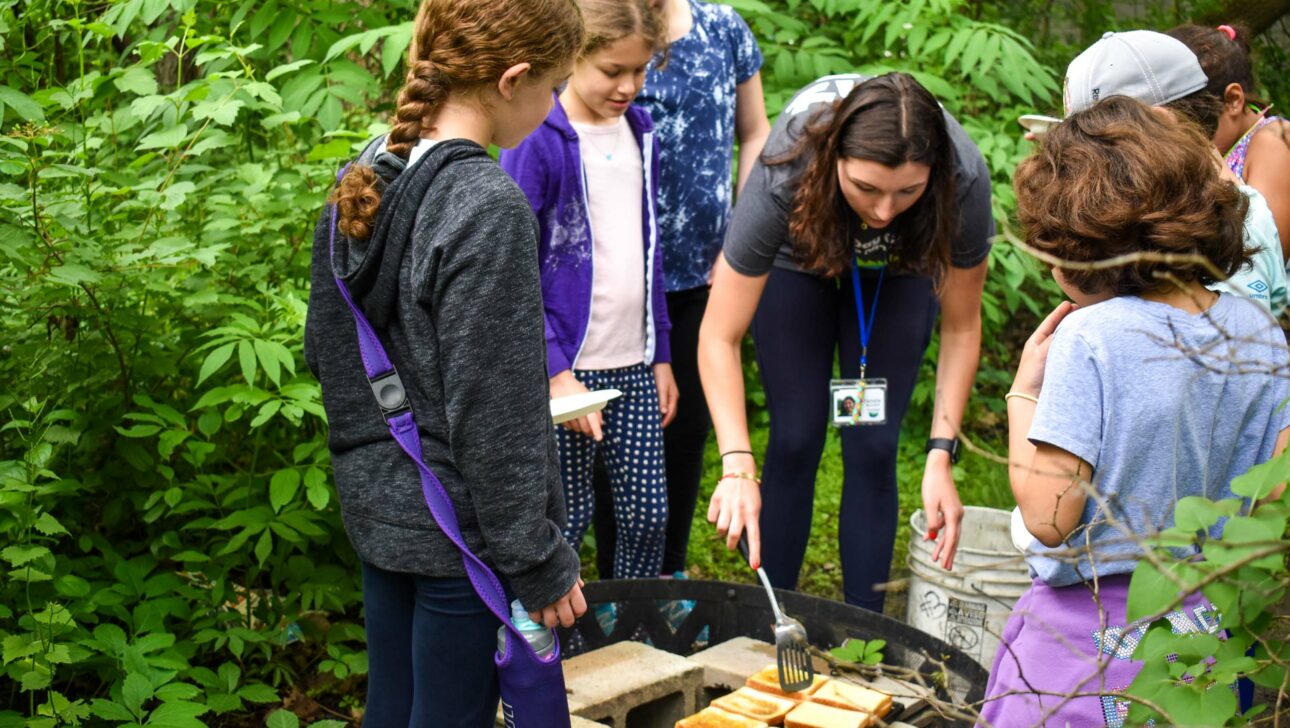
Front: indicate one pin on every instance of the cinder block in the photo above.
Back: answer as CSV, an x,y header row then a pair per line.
x,y
632,685
726,666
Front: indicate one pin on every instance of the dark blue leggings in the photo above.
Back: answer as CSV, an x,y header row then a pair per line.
x,y
430,646
801,322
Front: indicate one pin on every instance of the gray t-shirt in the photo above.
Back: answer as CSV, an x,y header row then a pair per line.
x,y
758,236
1162,404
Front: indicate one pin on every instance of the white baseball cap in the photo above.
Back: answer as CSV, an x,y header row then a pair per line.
x,y
1142,64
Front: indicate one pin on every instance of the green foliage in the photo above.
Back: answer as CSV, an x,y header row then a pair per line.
x,y
1243,574
860,652
168,527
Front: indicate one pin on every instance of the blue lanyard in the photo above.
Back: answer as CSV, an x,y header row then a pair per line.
x,y
866,327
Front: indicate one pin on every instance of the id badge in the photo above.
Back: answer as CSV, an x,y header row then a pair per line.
x,y
858,402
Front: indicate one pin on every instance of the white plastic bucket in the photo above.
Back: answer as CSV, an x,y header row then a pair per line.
x,y
967,607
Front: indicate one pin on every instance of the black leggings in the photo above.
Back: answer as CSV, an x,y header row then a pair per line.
x,y
683,443
801,321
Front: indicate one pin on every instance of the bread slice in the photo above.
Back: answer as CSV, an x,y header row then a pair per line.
x,y
756,704
711,717
767,681
817,715
847,695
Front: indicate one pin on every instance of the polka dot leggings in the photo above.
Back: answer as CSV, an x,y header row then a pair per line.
x,y
633,453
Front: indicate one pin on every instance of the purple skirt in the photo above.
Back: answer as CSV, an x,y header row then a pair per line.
x,y
1057,642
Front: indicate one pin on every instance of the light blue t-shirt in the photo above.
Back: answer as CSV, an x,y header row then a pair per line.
x,y
1162,404
1263,279
692,102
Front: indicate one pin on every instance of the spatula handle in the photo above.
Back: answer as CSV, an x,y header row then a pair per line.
x,y
761,574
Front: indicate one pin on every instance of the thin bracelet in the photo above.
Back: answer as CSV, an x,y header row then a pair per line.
x,y
740,476
1021,395
735,452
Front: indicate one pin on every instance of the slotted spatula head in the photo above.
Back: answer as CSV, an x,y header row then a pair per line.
x,y
792,651
792,656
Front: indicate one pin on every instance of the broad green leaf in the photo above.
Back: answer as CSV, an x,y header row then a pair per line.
x,y
1262,478
74,274
72,586
137,80
282,487
19,555
212,139
220,111
287,68
396,44
145,106
282,719
108,710
34,680
49,525
258,693
138,431
21,104
135,691
215,360
172,692
1195,513
175,194
166,139
262,19
177,714
269,362
335,148
209,423
1149,591
18,646
246,359
266,413
264,546
319,496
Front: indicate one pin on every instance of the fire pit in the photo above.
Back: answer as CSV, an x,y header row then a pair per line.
x,y
723,611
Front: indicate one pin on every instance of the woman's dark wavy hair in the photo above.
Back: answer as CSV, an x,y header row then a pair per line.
x,y
1117,179
890,119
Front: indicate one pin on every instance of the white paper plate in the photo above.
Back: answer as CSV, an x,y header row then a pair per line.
x,y
574,406
1038,123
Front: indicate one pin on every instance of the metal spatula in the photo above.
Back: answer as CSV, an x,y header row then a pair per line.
x,y
792,654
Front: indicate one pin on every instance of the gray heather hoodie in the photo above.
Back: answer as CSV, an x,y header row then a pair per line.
x,y
450,280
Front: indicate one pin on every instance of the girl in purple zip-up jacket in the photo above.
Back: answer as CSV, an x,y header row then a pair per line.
x,y
591,174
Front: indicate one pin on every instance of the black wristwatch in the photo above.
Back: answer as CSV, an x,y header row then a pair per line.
x,y
950,445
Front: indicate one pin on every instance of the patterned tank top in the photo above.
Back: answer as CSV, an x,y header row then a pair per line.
x,y
1236,157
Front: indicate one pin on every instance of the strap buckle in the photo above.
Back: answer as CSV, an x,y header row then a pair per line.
x,y
391,395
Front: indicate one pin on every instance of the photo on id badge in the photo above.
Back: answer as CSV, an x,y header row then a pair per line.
x,y
858,402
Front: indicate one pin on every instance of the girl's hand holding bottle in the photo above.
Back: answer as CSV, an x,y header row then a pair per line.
x,y
564,610
565,384
667,392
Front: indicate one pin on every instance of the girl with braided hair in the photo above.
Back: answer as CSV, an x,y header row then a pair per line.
x,y
438,248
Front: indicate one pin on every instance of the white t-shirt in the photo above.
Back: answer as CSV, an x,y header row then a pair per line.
x,y
615,186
